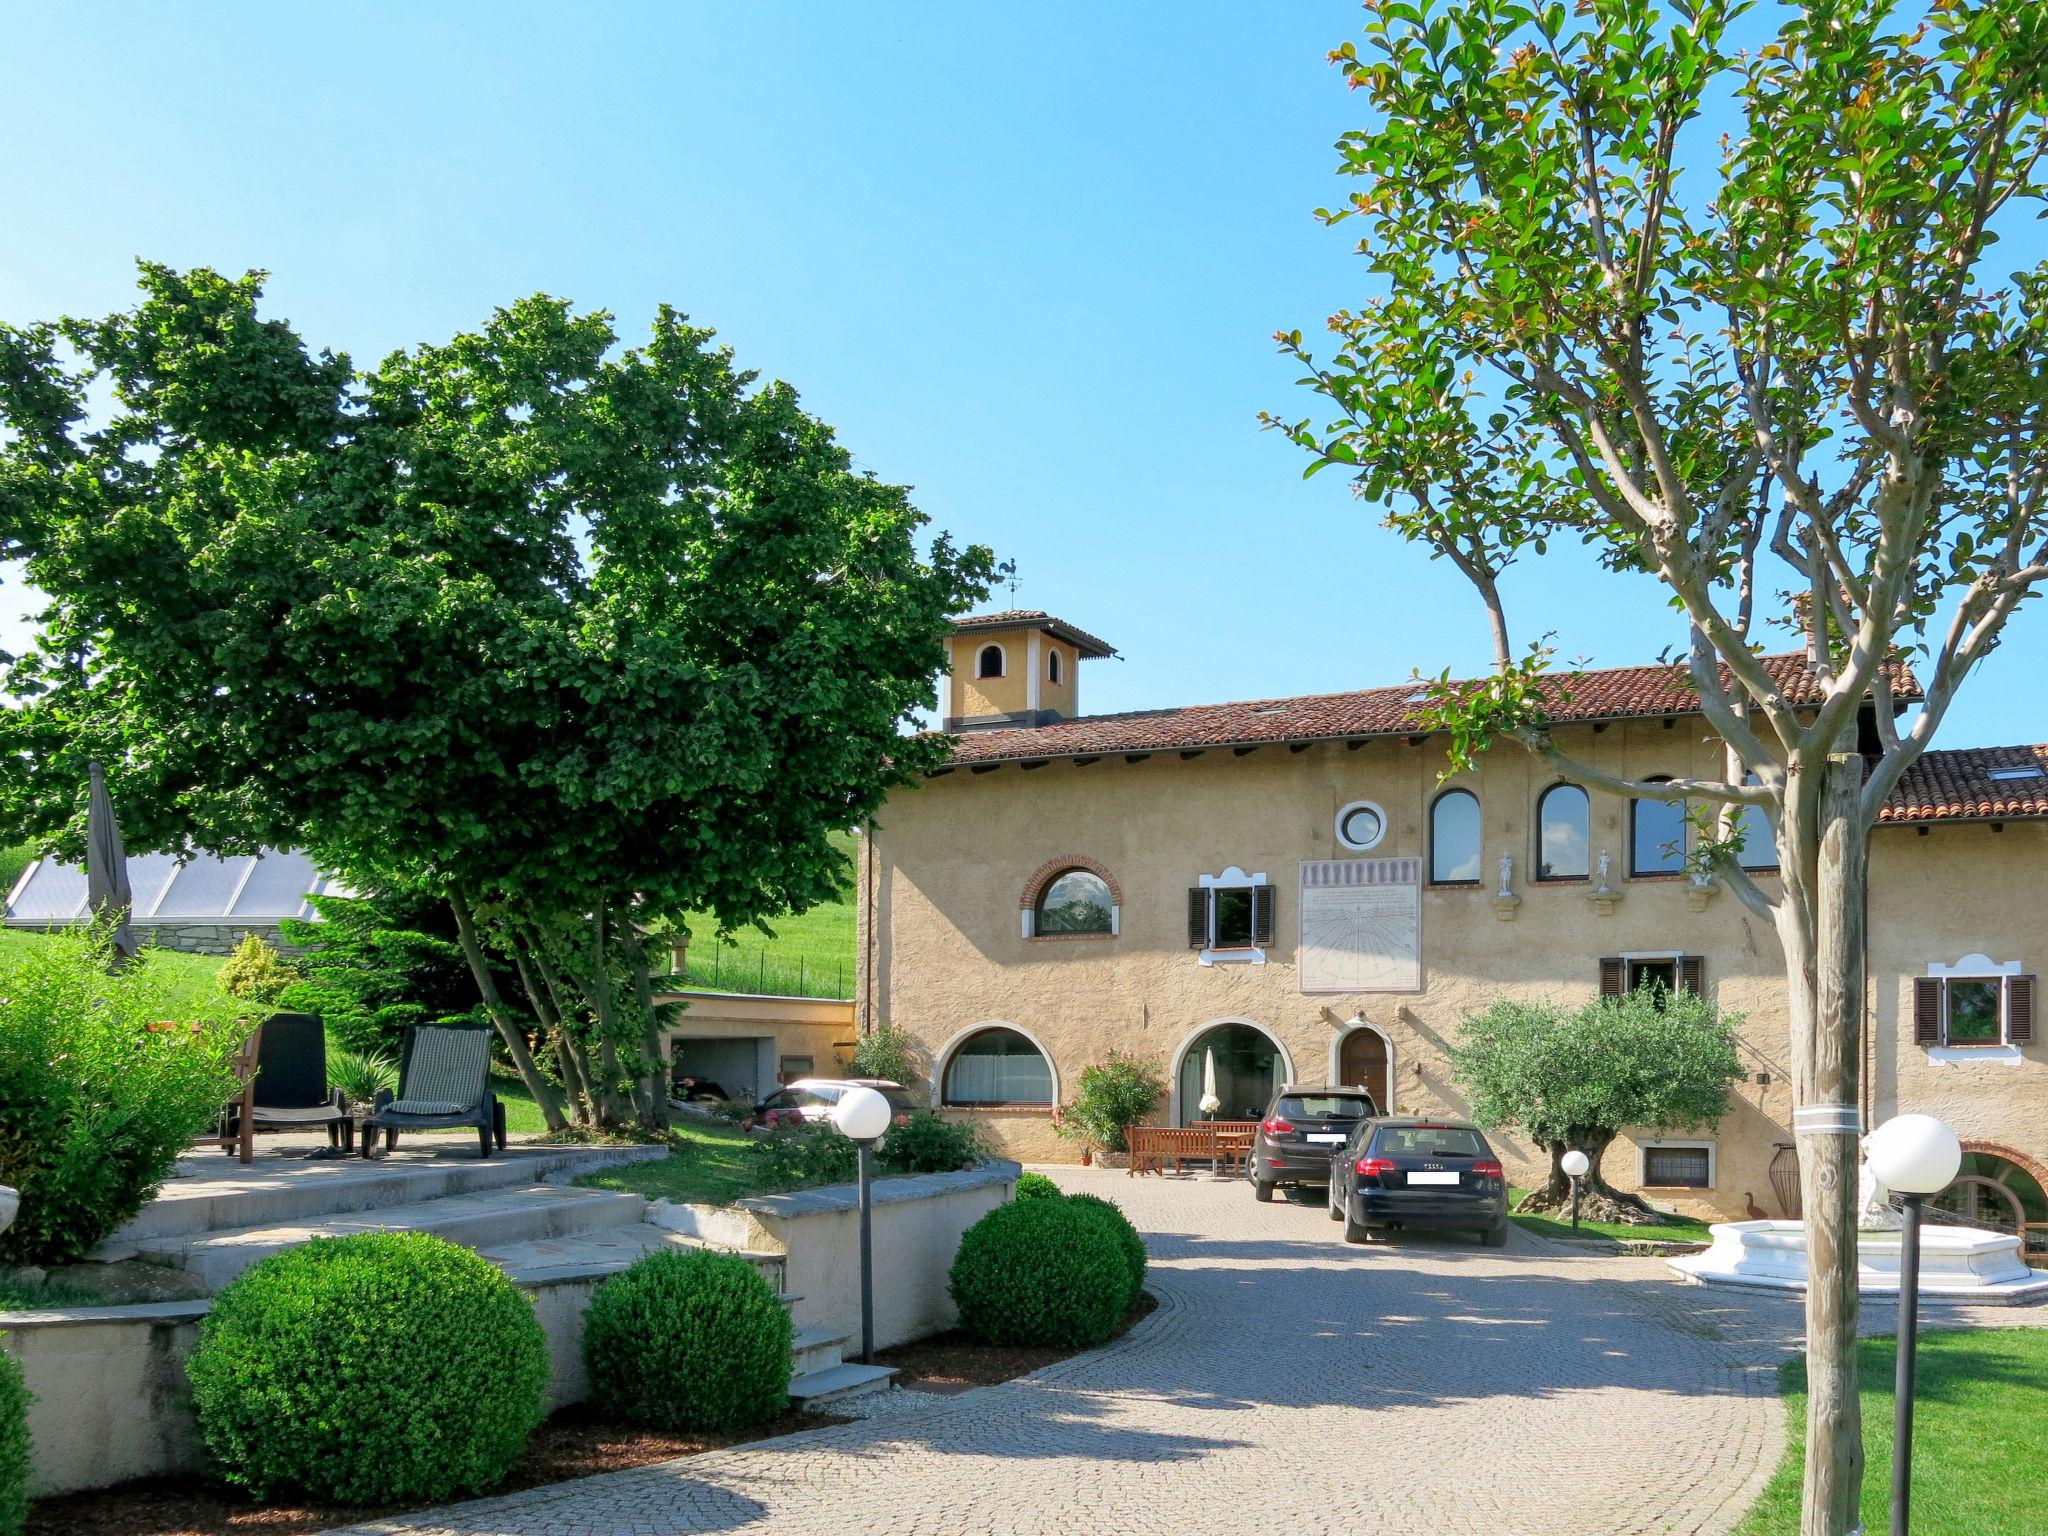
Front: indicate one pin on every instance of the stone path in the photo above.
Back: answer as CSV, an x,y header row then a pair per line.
x,y
1287,1383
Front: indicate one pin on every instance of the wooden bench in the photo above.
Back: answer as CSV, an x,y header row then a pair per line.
x,y
1214,1142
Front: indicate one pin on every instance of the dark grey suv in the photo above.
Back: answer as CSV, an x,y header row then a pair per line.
x,y
1302,1129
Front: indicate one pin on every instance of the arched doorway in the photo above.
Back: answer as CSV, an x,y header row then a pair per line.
x,y
1997,1191
1364,1060
1249,1067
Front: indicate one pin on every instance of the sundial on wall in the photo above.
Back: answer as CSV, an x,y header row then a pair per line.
x,y
1361,925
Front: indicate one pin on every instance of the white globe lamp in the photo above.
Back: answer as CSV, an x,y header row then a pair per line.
x,y
1918,1156
862,1115
1915,1154
1575,1163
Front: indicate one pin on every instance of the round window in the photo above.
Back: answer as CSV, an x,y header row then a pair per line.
x,y
1361,825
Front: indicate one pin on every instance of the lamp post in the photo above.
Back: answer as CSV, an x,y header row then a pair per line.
x,y
862,1116
1575,1164
1918,1156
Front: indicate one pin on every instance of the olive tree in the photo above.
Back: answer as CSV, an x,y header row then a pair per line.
x,y
1577,1077
1711,292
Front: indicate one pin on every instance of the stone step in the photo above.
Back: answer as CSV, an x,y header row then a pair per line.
x,y
817,1389
492,1219
815,1349
596,1255
213,1193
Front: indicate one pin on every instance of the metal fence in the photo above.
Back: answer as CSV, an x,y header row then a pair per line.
x,y
765,971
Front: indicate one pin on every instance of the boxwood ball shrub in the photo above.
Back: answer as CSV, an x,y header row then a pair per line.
x,y
13,1447
1040,1272
1036,1186
1128,1243
688,1340
369,1370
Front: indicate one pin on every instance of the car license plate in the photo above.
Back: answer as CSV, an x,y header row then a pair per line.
x,y
1326,1136
1432,1178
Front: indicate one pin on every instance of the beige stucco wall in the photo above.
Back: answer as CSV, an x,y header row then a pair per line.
x,y
945,950
820,1028
1958,891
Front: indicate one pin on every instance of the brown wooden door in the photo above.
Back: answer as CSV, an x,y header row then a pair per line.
x,y
1362,1061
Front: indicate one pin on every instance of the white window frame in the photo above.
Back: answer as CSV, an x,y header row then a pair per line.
x,y
983,649
1360,805
1055,667
1976,967
1231,879
1644,1148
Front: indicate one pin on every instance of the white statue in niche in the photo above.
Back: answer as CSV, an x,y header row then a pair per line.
x,y
1874,1211
1507,870
1605,865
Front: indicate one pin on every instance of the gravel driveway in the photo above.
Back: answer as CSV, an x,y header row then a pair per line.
x,y
1287,1383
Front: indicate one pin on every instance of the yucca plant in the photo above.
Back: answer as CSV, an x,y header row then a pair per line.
x,y
359,1074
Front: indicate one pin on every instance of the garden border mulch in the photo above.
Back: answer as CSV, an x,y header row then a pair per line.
x,y
573,1442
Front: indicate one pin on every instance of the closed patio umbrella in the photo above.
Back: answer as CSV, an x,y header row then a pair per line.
x,y
1210,1103
106,865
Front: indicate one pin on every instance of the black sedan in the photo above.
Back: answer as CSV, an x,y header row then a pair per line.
x,y
1418,1173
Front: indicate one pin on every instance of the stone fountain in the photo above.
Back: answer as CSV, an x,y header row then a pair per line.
x,y
1956,1263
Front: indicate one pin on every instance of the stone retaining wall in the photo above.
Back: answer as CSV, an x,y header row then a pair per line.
x,y
191,938
918,1223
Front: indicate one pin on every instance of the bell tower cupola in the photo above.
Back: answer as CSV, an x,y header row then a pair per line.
x,y
1021,667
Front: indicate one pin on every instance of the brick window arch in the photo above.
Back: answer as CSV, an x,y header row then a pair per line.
x,y
1048,876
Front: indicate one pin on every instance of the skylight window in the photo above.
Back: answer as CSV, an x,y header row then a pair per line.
x,y
2012,775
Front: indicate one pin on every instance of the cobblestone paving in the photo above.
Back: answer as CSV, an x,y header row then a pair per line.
x,y
1287,1383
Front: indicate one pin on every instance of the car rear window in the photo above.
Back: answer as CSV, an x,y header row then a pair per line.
x,y
1427,1141
1324,1106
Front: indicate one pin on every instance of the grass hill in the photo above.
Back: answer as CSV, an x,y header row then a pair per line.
x,y
811,954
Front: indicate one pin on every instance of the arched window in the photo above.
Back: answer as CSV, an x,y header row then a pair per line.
x,y
1074,901
1564,829
1052,666
990,662
1656,844
1759,843
1454,838
997,1066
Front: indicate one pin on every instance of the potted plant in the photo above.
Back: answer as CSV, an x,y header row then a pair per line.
x,y
1117,1093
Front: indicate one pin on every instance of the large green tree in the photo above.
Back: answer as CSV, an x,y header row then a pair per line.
x,y
578,637
1715,292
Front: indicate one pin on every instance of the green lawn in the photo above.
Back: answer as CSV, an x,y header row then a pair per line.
x,y
811,954
717,1168
1979,1409
1673,1229
194,974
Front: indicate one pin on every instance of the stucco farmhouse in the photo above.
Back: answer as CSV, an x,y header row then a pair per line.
x,y
1287,887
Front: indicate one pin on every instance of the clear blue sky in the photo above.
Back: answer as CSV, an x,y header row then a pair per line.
x,y
1027,259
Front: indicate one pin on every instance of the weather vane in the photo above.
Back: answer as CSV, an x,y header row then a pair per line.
x,y
1007,570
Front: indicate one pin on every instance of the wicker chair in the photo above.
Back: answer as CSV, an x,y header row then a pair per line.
x,y
444,1079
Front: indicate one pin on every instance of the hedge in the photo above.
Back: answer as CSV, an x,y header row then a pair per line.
x,y
1040,1272
386,1367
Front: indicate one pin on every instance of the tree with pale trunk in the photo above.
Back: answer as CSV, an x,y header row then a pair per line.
x,y
1717,293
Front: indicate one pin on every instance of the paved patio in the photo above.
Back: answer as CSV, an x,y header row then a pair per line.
x,y
1288,1382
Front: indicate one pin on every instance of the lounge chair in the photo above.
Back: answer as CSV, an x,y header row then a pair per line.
x,y
444,1079
286,1087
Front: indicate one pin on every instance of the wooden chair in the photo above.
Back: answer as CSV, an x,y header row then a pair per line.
x,y
283,1069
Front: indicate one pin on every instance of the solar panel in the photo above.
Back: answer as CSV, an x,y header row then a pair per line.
x,y
276,887
53,892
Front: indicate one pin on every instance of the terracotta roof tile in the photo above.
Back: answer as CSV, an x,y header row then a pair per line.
x,y
1958,786
1618,693
1035,618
